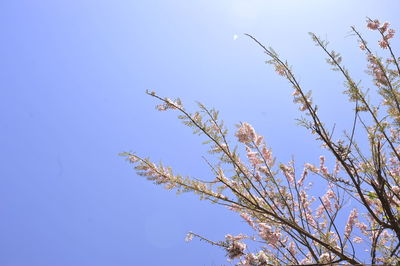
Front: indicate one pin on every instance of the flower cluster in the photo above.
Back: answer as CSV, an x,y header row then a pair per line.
x,y
326,203
251,259
351,222
304,100
288,171
235,248
246,133
189,237
169,104
383,28
376,69
271,237
280,69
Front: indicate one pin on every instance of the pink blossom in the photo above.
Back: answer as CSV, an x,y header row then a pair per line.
x,y
324,258
234,207
235,248
288,172
326,200
169,104
357,239
384,26
385,237
280,69
267,155
306,205
161,107
235,238
253,157
390,34
248,219
363,228
383,44
351,222
189,237
307,259
373,24
196,117
296,92
132,158
337,168
322,167
292,248
268,235
246,133
255,259
259,140
249,259
303,177
376,70
311,167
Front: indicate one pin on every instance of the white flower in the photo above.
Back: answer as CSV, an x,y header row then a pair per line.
x,y
189,237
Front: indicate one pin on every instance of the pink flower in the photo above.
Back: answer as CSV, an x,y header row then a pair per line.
x,y
385,237
307,259
267,155
247,218
259,140
390,34
326,200
253,157
296,92
324,258
337,168
246,133
288,171
132,158
161,107
268,235
310,219
322,167
303,107
357,239
280,69
292,248
311,167
350,223
384,26
303,177
235,238
373,24
235,248
255,259
250,259
383,44
169,104
378,74
363,228
189,237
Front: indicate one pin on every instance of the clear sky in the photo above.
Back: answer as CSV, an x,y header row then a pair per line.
x,y
72,81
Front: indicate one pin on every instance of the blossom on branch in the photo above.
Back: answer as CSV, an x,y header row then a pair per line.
x,y
294,222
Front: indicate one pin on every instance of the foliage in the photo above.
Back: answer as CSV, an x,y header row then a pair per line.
x,y
290,226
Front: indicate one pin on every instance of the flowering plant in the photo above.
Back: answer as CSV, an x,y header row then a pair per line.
x,y
290,225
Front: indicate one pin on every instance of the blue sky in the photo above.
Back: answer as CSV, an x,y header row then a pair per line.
x,y
73,76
